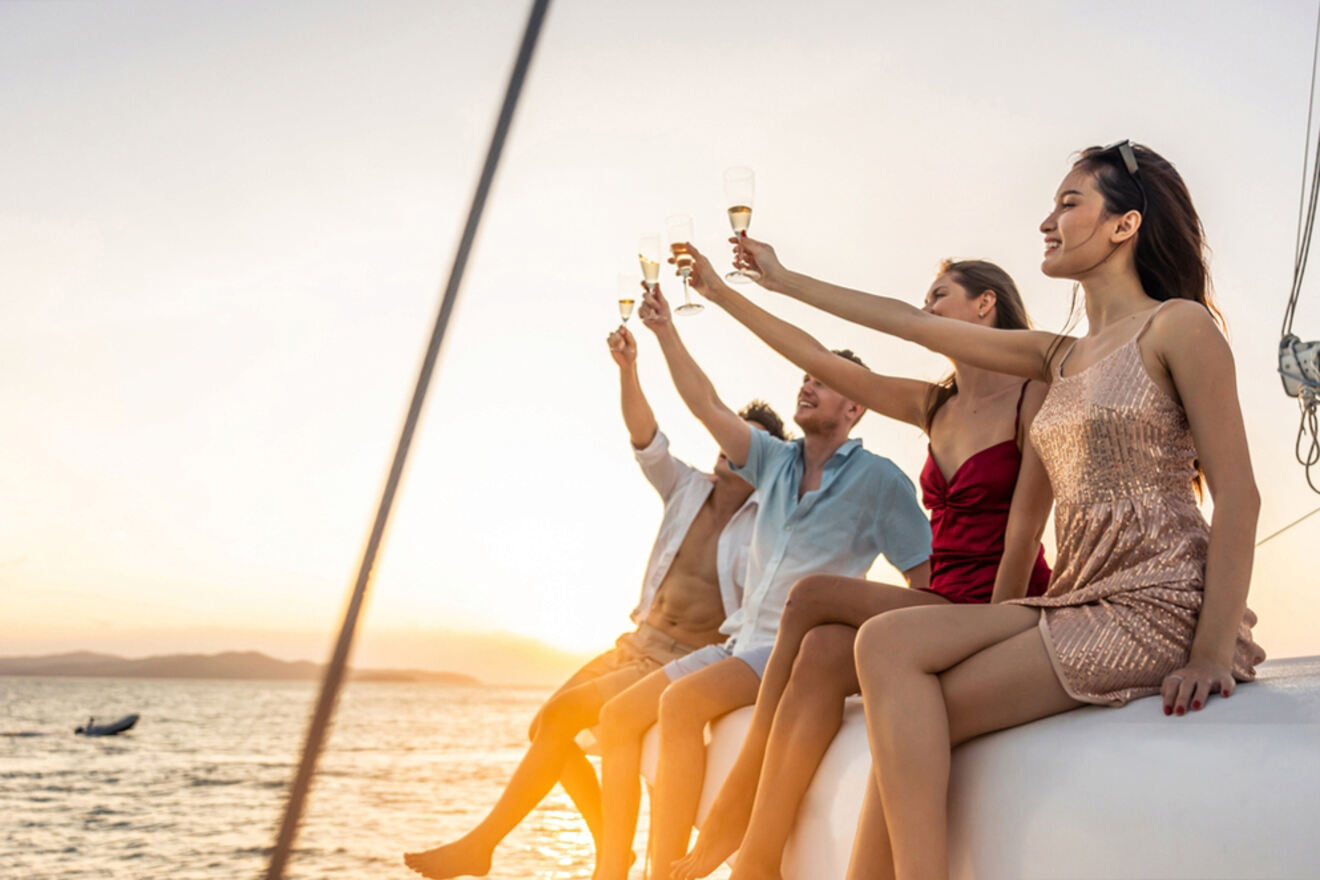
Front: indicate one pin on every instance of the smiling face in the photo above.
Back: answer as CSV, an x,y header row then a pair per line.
x,y
949,298
1080,233
821,410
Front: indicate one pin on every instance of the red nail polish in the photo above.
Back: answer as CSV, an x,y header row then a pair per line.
x,y
1196,705
1180,710
1168,710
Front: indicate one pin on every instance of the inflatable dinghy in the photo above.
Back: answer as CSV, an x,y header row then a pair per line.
x,y
93,729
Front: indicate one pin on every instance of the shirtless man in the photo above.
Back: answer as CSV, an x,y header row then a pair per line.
x,y
690,595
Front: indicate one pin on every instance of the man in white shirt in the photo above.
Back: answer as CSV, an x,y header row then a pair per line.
x,y
690,595
826,506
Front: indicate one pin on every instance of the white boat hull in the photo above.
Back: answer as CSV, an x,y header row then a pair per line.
x,y
1232,791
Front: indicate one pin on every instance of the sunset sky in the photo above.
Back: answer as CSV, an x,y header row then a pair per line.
x,y
223,227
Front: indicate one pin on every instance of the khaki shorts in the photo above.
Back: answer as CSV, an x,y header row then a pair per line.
x,y
644,650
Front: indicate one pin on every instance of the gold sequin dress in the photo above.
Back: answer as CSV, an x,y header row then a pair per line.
x,y
1121,610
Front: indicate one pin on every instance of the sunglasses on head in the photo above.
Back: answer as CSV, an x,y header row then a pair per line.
x,y
1129,157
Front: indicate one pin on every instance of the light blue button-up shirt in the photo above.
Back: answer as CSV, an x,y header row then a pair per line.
x,y
865,506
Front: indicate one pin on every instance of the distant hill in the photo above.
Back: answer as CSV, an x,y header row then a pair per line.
x,y
227,665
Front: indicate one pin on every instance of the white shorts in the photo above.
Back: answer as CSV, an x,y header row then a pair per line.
x,y
756,658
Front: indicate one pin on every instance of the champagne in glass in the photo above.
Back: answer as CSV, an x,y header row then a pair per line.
x,y
679,229
740,191
627,295
682,257
648,254
740,217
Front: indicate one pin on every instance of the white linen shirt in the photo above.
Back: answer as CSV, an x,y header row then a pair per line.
x,y
684,489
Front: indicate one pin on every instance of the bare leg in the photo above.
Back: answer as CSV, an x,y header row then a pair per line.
x,y
996,674
579,781
578,777
812,712
872,857
685,709
556,725
814,601
624,720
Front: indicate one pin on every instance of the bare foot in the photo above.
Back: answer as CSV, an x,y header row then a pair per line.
x,y
462,858
701,861
726,823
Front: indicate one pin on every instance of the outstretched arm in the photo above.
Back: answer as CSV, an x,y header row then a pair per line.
x,y
1017,352
1030,510
730,432
902,399
637,414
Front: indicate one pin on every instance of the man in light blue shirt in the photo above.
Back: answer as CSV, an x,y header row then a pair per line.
x,y
864,506
827,507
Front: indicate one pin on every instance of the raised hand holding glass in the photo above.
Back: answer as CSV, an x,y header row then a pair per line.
x,y
740,193
678,227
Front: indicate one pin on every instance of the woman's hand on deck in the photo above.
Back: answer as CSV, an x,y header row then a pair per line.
x,y
1189,688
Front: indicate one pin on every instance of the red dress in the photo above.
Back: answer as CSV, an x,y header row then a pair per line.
x,y
968,516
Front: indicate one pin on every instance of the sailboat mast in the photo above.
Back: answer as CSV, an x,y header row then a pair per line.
x,y
336,669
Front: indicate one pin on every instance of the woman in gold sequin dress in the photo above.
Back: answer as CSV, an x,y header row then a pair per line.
x,y
1146,598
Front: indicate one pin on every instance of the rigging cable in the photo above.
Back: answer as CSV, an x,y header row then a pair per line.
x,y
1274,535
1299,362
1301,250
334,674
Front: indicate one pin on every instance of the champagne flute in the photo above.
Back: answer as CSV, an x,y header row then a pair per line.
x,y
627,295
679,229
740,192
648,254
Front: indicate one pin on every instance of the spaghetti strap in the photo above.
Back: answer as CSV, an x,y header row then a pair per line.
x,y
1146,326
1058,368
1017,419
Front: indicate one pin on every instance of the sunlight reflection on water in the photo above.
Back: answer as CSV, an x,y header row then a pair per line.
x,y
196,789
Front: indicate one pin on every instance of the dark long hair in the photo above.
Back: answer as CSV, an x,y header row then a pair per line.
x,y
978,276
1170,252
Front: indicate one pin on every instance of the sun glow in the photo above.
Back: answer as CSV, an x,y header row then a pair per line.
x,y
215,312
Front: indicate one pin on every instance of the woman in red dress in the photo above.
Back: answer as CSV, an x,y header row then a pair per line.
x,y
989,499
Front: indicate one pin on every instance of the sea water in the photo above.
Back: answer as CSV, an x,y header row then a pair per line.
x,y
196,789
